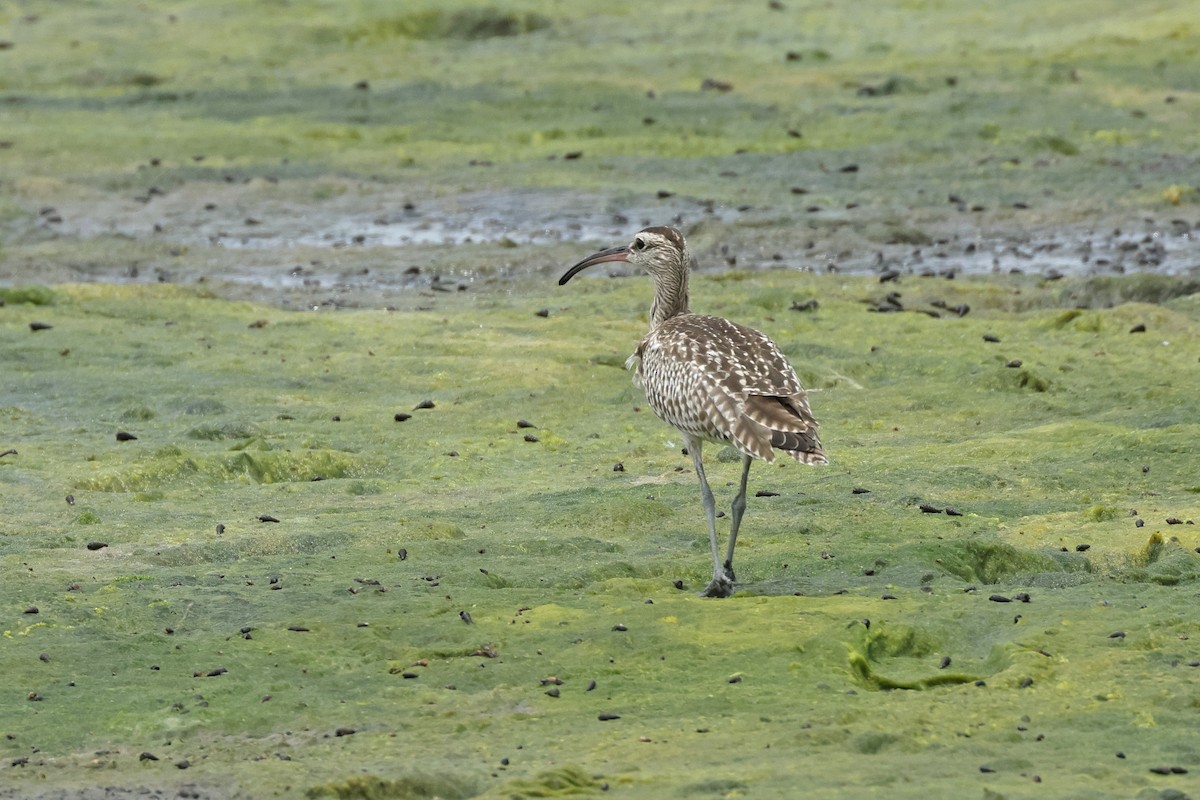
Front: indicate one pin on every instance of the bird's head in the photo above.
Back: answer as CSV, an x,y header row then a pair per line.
x,y
661,251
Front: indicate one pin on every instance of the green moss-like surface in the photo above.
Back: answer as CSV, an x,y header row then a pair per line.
x,y
847,607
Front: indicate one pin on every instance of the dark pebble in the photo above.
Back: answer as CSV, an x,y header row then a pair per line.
x,y
524,423
677,584
147,756
183,763
529,437
859,490
542,312
125,436
31,610
40,326
766,493
1016,362
986,768
402,554
345,732
735,679
888,597
44,657
408,675
618,467
1082,548
999,598
465,616
401,416
552,691
70,499
1117,635
424,404
608,717
619,627
1025,683
928,509
266,518
991,337
298,628
1139,328
1174,521
97,545
220,528
1022,597
945,662
849,168
953,512
591,685
1139,522
212,673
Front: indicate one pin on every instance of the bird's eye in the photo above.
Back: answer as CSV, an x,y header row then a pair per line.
x,y
639,244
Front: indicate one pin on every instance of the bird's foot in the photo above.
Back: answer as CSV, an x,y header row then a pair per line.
x,y
729,571
721,586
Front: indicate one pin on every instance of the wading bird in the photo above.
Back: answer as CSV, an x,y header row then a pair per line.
x,y
713,380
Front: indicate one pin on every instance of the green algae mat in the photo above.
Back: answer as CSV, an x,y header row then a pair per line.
x,y
389,554
436,546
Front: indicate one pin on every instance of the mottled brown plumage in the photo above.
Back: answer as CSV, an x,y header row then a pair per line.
x,y
713,380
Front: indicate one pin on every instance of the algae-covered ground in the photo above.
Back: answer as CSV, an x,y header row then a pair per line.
x,y
314,484
298,593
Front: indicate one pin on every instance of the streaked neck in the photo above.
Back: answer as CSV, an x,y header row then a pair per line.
x,y
670,297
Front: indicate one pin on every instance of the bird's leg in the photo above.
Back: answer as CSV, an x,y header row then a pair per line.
x,y
721,585
736,510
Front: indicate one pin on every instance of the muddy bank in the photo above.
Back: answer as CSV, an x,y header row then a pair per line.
x,y
372,246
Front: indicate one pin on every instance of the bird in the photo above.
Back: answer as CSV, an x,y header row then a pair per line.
x,y
713,380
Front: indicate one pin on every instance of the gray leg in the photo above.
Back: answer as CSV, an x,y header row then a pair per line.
x,y
721,586
735,516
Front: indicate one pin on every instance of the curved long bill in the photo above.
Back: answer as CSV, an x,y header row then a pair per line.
x,y
611,254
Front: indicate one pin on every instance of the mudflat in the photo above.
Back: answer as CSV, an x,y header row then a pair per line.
x,y
314,483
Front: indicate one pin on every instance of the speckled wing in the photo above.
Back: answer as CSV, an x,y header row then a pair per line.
x,y
725,382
